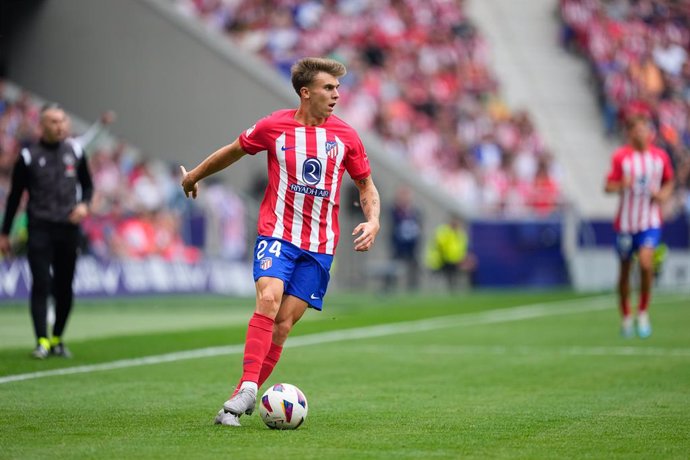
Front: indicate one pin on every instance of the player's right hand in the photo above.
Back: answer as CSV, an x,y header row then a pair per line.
x,y
188,185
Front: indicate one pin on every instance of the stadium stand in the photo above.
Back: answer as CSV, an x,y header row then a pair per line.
x,y
638,56
138,210
420,78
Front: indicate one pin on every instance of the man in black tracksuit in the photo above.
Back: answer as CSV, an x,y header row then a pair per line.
x,y
55,173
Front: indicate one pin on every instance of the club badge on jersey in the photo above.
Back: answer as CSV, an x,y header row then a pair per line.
x,y
331,149
266,263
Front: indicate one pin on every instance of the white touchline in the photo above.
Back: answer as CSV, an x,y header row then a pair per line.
x,y
525,350
519,313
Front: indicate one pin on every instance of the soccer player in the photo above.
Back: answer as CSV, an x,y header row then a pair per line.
x,y
641,174
308,149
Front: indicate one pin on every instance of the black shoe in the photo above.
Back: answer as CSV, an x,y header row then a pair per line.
x,y
60,350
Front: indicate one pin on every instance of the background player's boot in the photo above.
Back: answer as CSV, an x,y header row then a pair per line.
x,y
42,349
226,418
644,327
242,403
627,327
60,350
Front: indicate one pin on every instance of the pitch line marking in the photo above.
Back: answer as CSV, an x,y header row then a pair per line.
x,y
531,311
530,350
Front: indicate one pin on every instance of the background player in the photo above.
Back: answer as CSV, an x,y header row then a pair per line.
x,y
641,174
308,150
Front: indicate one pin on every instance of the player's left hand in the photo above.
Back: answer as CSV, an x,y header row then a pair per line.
x,y
367,235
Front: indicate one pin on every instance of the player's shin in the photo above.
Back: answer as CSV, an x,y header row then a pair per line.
x,y
270,362
256,347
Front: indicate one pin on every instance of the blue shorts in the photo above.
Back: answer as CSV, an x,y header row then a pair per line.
x,y
628,244
304,273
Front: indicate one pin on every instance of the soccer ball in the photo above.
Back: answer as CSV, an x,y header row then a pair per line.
x,y
283,407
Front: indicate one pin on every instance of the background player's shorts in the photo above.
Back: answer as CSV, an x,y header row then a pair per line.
x,y
628,244
305,273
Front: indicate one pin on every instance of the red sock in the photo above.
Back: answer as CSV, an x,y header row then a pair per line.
x,y
270,362
256,346
625,307
644,302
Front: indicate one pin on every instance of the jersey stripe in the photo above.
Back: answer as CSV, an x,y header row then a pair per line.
x,y
279,207
300,155
325,207
645,201
308,172
290,166
624,218
632,201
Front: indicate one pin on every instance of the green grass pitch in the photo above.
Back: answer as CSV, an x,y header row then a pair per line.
x,y
515,374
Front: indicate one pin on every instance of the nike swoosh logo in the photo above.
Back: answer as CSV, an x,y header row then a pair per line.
x,y
283,148
313,298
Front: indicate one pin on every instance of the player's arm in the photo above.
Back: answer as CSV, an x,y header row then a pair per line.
x,y
217,161
371,207
668,183
613,186
664,193
81,210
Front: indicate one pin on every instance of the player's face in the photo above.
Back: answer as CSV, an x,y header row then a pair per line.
x,y
640,133
53,125
323,94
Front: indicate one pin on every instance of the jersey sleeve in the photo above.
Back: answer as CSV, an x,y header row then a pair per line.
x,y
615,174
254,139
356,160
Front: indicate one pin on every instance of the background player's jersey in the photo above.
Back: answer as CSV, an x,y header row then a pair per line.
x,y
647,171
305,170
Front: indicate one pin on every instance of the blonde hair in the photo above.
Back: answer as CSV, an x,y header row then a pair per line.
x,y
305,70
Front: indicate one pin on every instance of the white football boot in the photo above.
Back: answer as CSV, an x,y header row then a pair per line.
x,y
627,327
226,418
644,326
242,403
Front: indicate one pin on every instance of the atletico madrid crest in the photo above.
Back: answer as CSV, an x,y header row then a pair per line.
x,y
266,263
331,149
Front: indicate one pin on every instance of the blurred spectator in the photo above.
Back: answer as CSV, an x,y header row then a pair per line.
x,y
545,194
406,232
448,254
226,230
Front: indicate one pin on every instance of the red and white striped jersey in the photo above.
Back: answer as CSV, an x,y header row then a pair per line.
x,y
305,170
647,171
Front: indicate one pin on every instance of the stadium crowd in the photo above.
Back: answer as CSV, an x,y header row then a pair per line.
x,y
419,76
138,210
638,55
